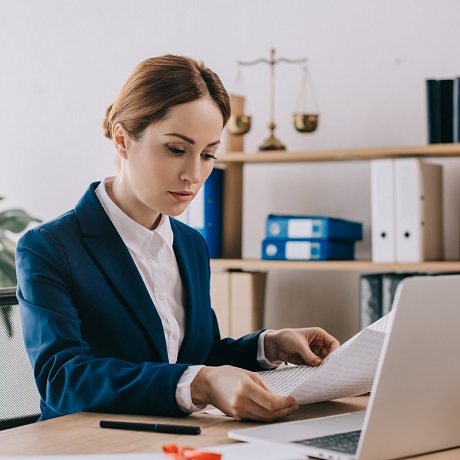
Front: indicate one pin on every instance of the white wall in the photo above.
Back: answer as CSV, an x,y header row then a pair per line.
x,y
62,63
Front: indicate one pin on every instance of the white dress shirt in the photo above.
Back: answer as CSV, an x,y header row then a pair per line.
x,y
152,252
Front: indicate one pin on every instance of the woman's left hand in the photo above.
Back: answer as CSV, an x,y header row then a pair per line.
x,y
299,346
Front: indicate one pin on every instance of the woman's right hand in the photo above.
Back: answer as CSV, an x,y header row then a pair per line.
x,y
240,394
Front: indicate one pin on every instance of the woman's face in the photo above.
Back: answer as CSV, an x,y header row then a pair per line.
x,y
163,171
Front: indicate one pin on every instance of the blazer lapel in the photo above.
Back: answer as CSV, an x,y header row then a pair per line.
x,y
184,249
114,259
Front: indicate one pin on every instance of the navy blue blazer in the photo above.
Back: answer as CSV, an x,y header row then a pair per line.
x,y
91,330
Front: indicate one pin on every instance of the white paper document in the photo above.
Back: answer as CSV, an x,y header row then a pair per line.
x,y
237,451
348,371
91,457
252,451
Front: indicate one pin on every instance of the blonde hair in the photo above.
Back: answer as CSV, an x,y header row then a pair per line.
x,y
158,84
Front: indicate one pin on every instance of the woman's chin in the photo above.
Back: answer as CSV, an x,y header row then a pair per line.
x,y
175,211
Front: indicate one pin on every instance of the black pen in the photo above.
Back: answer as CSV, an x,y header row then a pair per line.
x,y
156,427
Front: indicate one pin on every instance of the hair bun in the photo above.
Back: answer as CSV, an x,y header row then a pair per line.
x,y
107,124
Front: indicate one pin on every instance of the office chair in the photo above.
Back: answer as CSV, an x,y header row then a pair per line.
x,y
19,397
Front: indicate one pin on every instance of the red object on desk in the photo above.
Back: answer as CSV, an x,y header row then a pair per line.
x,y
188,453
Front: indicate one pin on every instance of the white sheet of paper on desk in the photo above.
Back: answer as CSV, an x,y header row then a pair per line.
x,y
348,371
236,451
91,457
260,450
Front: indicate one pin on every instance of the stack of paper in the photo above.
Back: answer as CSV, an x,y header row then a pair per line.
x,y
348,371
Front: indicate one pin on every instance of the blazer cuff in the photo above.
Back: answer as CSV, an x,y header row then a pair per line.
x,y
183,394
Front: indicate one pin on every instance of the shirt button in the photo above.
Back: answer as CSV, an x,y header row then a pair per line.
x,y
161,296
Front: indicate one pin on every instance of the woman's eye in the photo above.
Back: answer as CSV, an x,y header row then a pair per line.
x,y
175,150
208,156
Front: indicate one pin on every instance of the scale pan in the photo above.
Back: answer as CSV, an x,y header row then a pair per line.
x,y
305,122
239,124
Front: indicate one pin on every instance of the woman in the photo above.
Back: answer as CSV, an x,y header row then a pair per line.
x,y
114,294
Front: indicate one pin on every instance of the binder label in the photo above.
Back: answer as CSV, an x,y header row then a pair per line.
x,y
300,228
298,250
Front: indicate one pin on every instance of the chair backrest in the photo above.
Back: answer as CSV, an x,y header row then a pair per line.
x,y
19,397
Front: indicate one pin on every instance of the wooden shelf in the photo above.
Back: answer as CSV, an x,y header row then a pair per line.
x,y
432,150
346,265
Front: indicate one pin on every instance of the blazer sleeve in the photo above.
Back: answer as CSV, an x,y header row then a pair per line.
x,y
69,377
241,352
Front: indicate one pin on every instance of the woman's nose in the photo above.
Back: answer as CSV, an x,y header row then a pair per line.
x,y
192,171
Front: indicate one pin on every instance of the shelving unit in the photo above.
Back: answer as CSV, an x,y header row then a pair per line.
x,y
233,205
247,302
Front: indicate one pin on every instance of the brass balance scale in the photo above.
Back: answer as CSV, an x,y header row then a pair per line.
x,y
240,124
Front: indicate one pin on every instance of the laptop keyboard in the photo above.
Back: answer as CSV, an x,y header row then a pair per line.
x,y
340,442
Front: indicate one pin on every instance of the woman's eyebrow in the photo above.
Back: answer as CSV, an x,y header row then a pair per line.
x,y
189,140
181,136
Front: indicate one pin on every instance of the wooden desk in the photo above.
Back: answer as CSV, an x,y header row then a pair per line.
x,y
80,433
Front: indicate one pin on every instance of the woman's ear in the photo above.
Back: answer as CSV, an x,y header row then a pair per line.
x,y
120,138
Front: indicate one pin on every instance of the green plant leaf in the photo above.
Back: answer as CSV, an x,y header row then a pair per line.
x,y
5,281
7,252
8,244
8,268
15,220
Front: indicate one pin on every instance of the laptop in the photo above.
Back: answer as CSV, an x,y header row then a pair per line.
x,y
414,407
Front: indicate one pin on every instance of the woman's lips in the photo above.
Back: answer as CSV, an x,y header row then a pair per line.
x,y
182,196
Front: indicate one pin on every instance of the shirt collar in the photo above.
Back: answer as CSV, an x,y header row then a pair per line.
x,y
134,235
